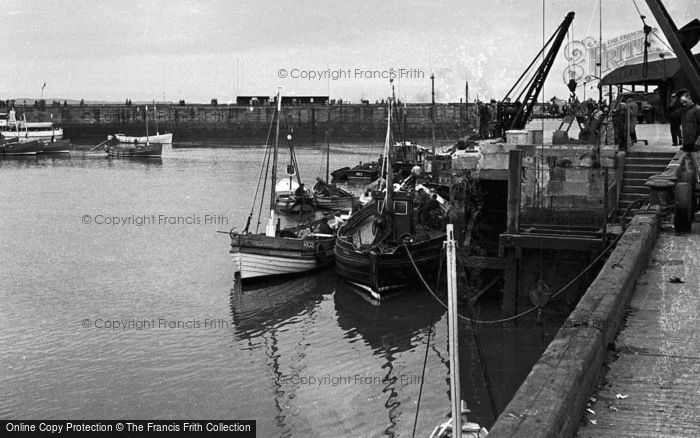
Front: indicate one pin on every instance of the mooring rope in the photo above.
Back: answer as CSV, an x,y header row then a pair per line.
x,y
422,376
521,314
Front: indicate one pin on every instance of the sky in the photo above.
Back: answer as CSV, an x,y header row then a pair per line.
x,y
167,50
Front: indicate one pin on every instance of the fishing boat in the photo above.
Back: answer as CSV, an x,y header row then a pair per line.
x,y
21,129
55,146
278,251
328,196
291,195
14,147
158,138
469,428
382,244
363,173
458,421
331,197
115,148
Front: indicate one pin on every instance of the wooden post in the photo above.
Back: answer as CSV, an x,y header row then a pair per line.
x,y
606,201
510,287
453,337
514,182
510,283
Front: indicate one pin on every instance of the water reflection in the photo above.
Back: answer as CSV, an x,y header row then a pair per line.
x,y
262,311
396,326
78,159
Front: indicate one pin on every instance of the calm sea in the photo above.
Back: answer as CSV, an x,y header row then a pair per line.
x,y
116,303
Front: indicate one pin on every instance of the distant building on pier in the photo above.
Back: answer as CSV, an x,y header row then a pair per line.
x,y
286,100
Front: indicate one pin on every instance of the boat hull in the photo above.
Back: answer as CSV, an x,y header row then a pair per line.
x,y
131,151
56,147
31,147
151,139
257,256
287,204
383,271
48,134
344,203
382,275
362,176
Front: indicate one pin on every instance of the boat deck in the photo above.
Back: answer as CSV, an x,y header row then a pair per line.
x,y
652,387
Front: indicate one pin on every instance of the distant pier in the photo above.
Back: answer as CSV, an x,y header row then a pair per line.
x,y
249,124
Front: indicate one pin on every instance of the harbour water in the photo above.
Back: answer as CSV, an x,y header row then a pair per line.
x,y
116,302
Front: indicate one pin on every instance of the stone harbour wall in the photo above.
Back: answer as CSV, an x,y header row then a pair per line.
x,y
246,123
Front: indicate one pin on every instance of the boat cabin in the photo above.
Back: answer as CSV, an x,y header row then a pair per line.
x,y
402,212
406,155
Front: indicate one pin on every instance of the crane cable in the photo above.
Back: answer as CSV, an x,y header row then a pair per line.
x,y
647,30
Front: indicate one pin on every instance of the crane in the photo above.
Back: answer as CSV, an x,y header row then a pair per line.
x,y
516,109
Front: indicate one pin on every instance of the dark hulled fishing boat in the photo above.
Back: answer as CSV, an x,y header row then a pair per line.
x,y
61,146
377,248
16,147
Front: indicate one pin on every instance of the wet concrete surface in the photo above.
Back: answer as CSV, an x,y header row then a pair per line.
x,y
652,385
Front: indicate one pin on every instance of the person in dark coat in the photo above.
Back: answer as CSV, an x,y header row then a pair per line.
x,y
299,196
633,109
620,125
324,228
690,123
675,116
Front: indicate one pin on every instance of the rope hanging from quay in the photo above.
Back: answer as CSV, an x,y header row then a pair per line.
x,y
422,376
521,314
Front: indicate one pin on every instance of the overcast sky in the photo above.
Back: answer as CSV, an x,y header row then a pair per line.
x,y
197,50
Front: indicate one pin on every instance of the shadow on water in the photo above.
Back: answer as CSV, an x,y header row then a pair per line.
x,y
395,326
265,304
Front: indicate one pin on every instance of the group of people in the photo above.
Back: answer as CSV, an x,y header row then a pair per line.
x,y
683,115
624,120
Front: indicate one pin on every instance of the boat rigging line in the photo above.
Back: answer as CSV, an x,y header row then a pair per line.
x,y
265,165
422,375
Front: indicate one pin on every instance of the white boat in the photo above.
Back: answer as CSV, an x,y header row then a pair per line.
x,y
10,127
286,197
279,251
147,139
158,138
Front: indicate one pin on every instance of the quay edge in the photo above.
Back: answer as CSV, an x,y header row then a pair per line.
x,y
552,399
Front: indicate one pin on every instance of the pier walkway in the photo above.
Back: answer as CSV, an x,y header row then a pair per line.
x,y
652,386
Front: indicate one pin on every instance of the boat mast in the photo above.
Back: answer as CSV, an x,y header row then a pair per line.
x,y
155,115
432,110
389,176
328,149
146,125
450,249
270,230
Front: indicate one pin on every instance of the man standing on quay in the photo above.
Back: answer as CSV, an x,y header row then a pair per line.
x,y
690,122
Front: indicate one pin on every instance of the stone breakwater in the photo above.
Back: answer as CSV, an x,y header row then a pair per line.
x,y
251,123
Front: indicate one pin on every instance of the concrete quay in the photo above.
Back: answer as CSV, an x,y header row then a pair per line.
x,y
553,397
652,386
